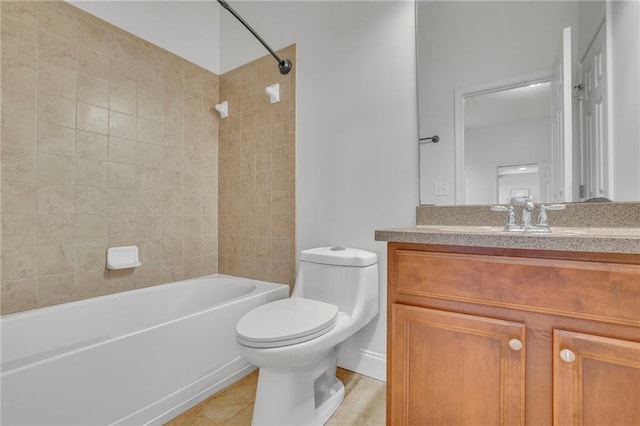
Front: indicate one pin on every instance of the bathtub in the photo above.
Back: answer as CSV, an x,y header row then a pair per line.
x,y
133,358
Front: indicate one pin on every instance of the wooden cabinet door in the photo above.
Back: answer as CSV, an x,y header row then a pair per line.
x,y
596,380
453,369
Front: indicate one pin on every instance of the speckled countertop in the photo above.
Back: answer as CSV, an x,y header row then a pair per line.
x,y
607,240
607,228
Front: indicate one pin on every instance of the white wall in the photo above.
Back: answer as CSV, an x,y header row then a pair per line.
x,y
626,99
485,42
190,29
357,165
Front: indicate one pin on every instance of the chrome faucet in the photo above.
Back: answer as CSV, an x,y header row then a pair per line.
x,y
527,209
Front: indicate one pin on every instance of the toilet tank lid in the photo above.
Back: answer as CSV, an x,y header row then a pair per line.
x,y
341,256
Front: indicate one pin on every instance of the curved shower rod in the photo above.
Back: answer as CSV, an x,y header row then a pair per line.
x,y
284,64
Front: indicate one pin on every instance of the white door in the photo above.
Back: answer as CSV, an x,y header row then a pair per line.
x,y
593,73
561,131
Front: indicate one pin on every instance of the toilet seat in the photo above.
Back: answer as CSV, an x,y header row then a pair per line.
x,y
286,322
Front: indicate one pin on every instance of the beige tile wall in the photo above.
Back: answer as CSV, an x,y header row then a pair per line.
x,y
257,173
107,140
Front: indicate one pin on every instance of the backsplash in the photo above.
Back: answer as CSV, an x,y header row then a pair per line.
x,y
257,172
576,215
107,140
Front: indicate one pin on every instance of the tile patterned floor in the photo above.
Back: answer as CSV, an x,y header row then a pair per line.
x,y
363,405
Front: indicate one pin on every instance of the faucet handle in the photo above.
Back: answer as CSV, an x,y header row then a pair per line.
x,y
511,216
543,220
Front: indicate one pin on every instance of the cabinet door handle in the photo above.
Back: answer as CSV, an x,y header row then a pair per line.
x,y
515,344
567,355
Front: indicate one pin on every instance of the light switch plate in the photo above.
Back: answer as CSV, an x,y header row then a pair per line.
x,y
441,188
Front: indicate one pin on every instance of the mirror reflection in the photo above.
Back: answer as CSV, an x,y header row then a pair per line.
x,y
517,183
505,131
511,85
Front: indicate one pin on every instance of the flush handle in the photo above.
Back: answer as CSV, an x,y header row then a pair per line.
x,y
567,355
515,344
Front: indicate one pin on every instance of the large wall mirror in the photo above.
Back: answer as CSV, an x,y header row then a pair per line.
x,y
528,98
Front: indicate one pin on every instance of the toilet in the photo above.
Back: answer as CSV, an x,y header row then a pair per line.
x,y
295,342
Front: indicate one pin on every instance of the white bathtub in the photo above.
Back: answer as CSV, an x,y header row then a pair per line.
x,y
133,358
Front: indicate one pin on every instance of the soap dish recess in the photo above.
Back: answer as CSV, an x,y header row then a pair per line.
x,y
123,257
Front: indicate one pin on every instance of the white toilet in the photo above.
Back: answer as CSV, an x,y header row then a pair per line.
x,y
295,341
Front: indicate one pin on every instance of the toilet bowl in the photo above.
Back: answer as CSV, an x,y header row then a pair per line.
x,y
295,342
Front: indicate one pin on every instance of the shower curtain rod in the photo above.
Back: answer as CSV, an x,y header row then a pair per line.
x,y
284,64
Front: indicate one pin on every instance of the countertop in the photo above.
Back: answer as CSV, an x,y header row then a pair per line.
x,y
605,240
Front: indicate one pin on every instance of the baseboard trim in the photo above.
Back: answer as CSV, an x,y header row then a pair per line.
x,y
363,361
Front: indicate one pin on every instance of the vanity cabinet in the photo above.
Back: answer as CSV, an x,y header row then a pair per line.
x,y
480,336
479,379
596,381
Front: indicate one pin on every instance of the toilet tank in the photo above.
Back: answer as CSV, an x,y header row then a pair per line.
x,y
345,277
